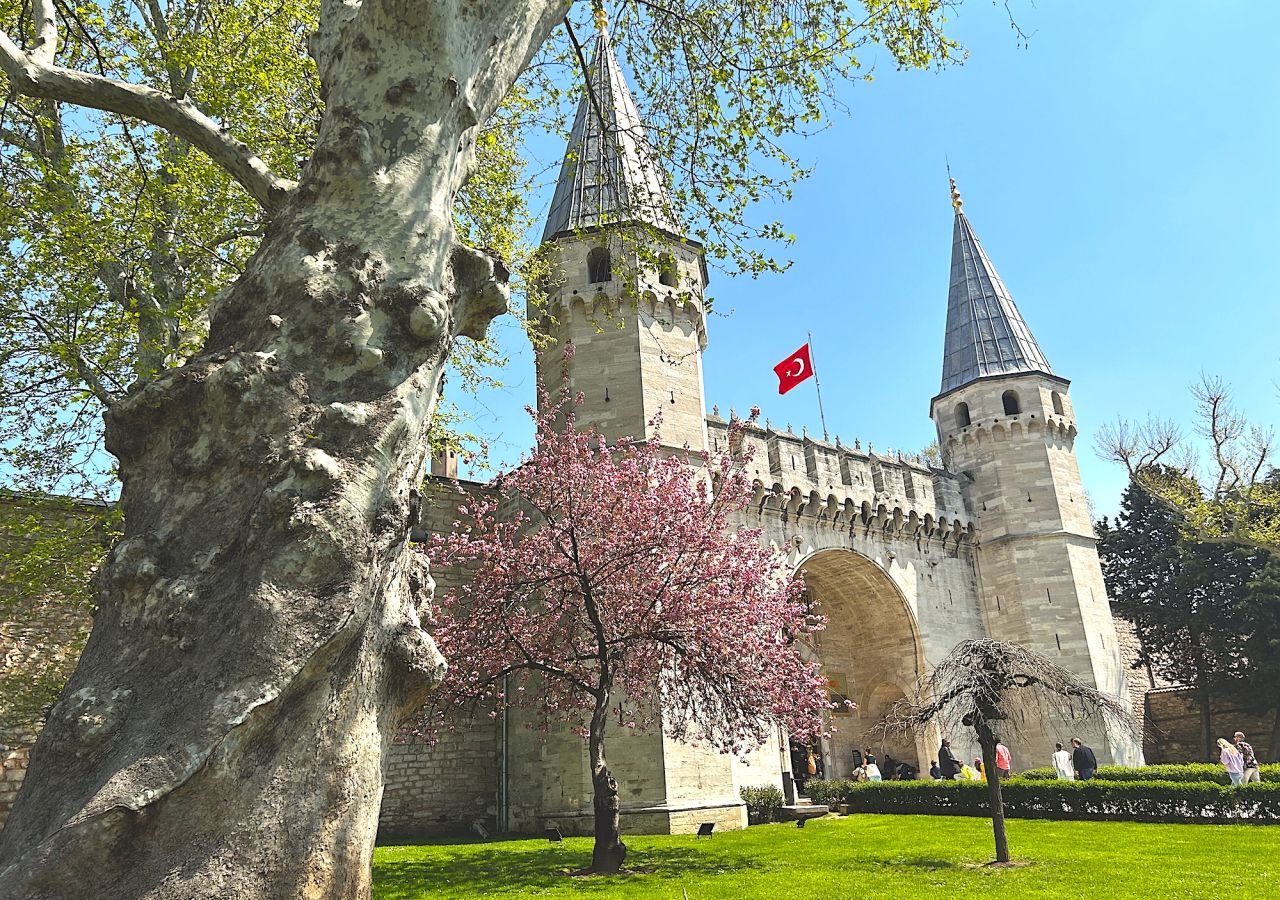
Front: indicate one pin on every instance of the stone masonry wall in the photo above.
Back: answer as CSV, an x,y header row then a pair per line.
x,y
443,789
1172,733
15,751
48,547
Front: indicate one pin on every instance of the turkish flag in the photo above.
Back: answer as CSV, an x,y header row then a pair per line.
x,y
794,369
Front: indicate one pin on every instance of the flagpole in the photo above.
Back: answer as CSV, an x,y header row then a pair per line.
x,y
818,387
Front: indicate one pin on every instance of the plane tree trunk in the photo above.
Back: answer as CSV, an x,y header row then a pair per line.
x,y
257,639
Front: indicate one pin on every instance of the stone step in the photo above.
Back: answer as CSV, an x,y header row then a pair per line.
x,y
807,811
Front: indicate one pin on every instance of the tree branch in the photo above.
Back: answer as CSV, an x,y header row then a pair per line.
x,y
31,74
21,141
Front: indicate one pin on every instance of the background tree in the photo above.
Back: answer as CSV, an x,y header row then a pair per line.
x,y
1230,493
987,686
1185,598
257,638
1261,648
621,583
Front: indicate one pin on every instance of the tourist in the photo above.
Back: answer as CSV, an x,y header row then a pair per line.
x,y
947,762
1083,760
1004,761
934,772
873,771
1232,760
1249,759
1062,764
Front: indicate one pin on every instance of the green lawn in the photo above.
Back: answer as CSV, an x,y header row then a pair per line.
x,y
861,856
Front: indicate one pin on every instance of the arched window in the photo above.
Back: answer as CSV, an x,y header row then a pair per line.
x,y
1011,405
599,265
962,415
666,270
1057,402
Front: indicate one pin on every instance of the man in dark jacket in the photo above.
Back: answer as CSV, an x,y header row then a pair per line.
x,y
1082,758
948,765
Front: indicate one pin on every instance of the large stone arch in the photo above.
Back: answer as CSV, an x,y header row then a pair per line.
x,y
871,652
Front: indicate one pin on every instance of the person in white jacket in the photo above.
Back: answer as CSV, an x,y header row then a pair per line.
x,y
1232,760
1062,763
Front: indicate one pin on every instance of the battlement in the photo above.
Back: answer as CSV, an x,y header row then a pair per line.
x,y
600,276
797,476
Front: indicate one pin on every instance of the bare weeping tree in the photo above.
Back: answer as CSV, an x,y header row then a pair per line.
x,y
984,685
1230,492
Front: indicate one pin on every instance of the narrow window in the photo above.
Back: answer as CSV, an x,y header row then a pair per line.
x,y
1011,406
1057,402
666,270
962,415
599,265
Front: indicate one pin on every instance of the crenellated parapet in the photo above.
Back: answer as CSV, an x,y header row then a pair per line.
x,y
799,479
665,284
1056,431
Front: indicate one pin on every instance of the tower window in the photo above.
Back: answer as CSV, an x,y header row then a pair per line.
x,y
599,265
1011,405
666,270
1057,403
962,415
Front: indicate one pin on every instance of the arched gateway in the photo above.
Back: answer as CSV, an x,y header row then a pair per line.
x,y
871,654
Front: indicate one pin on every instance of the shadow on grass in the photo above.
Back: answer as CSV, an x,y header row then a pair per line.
x,y
915,862
482,869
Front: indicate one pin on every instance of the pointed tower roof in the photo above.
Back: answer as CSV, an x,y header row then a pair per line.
x,y
609,173
986,335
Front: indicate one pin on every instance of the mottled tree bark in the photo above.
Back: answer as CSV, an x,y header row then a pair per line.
x,y
608,852
258,640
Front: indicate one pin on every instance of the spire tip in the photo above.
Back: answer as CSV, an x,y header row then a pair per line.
x,y
956,203
601,17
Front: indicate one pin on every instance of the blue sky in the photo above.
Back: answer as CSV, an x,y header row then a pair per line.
x,y
1121,171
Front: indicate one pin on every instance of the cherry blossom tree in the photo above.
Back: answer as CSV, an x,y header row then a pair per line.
x,y
620,576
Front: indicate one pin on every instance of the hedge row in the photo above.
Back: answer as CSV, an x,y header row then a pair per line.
x,y
1139,801
1196,772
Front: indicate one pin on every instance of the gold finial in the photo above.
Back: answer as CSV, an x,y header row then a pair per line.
x,y
956,203
601,17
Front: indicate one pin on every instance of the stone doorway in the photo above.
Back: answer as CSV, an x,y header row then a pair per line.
x,y
870,652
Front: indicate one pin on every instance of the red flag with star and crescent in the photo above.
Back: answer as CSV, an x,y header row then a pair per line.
x,y
794,369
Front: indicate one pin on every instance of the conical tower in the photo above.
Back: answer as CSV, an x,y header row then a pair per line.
x,y
627,292
1006,425
626,287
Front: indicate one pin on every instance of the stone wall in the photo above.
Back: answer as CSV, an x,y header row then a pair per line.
x,y
443,789
15,750
49,548
1172,733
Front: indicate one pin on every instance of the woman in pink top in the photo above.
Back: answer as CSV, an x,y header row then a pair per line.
x,y
1232,760
1004,760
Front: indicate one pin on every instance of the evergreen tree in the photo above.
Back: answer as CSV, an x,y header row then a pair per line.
x,y
1185,599
1261,609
